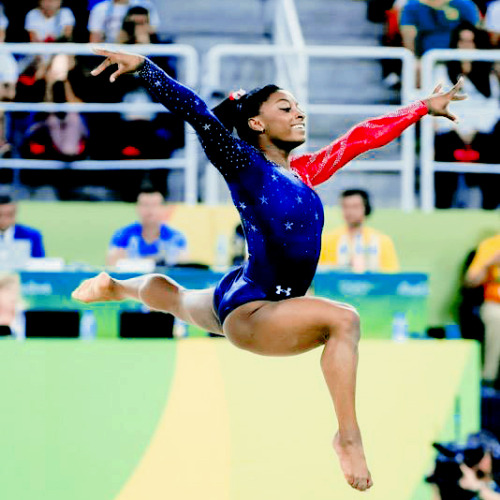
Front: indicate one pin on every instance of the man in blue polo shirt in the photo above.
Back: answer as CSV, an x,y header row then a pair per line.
x,y
428,24
149,237
10,232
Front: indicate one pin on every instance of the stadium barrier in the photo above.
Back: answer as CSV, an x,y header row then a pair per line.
x,y
282,56
189,75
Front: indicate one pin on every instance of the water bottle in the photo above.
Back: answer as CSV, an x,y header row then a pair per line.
x,y
88,325
221,252
452,331
180,329
399,327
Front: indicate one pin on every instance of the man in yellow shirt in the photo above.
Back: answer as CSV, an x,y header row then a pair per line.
x,y
485,270
355,246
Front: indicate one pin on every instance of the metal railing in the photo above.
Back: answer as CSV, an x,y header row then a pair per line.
x,y
190,72
428,165
292,68
405,164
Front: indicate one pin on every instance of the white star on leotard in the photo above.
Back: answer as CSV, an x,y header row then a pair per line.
x,y
157,83
316,216
242,206
299,199
274,177
288,225
263,200
206,126
253,228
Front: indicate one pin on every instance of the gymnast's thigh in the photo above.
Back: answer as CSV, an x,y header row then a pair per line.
x,y
199,309
285,327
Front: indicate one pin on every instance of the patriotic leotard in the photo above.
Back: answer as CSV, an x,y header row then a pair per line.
x,y
281,213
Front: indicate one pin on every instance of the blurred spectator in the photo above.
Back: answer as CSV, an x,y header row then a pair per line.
x,y
8,77
136,27
56,135
4,23
50,22
470,140
60,135
356,246
485,270
428,24
142,134
148,238
106,19
469,306
11,231
11,306
492,22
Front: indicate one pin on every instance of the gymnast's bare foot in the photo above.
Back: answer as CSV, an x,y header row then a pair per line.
x,y
352,461
101,288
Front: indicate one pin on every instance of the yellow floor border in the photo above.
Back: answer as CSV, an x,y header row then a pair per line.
x,y
189,454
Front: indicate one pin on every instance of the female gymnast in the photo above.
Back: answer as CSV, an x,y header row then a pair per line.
x,y
261,306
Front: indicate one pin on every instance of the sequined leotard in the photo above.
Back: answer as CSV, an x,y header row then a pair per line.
x,y
281,214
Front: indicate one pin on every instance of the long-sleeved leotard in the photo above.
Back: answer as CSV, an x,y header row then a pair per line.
x,y
281,214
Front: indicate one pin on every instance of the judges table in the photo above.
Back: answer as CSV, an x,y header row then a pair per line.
x,y
379,298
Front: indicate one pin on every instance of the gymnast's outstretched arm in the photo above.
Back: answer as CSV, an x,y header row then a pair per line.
x,y
227,153
372,133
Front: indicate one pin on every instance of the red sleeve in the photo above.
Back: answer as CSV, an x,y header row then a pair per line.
x,y
318,167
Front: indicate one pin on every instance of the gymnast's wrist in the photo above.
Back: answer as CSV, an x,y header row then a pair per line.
x,y
427,103
141,65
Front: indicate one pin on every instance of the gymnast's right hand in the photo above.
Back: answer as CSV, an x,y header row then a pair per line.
x,y
127,63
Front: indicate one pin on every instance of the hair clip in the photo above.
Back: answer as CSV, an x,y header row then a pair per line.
x,y
236,95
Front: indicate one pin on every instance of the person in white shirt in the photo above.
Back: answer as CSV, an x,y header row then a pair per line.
x,y
10,230
106,18
49,22
4,23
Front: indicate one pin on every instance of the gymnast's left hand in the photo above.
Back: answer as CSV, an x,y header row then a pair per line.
x,y
439,100
127,63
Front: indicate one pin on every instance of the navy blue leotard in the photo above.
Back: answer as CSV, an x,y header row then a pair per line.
x,y
282,215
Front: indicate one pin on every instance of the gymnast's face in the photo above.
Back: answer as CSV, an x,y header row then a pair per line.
x,y
281,119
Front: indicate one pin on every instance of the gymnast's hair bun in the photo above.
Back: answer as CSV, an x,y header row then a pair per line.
x,y
227,110
235,111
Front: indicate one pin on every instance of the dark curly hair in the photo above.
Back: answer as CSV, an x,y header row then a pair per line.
x,y
480,73
234,112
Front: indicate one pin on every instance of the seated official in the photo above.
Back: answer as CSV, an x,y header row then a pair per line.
x,y
11,306
484,271
355,246
149,238
10,232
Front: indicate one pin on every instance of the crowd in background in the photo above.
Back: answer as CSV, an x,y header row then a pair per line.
x,y
422,25
61,78
419,25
